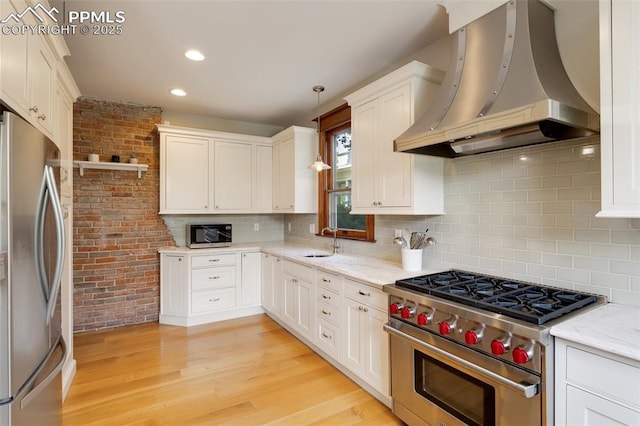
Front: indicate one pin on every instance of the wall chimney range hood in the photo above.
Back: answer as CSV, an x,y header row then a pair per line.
x,y
505,87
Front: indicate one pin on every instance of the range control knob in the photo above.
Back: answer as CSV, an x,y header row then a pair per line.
x,y
500,346
446,326
522,355
424,318
394,308
473,336
408,312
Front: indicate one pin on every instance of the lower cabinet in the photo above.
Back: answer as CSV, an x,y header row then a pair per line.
x,y
298,298
201,288
595,388
341,319
366,344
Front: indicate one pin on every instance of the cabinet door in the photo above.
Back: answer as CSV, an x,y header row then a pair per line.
x,y
364,166
262,181
376,342
587,409
287,175
185,174
306,309
250,281
41,84
620,108
393,168
233,176
353,357
173,285
289,300
267,282
13,59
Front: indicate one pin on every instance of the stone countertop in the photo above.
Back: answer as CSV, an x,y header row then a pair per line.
x,y
376,272
610,328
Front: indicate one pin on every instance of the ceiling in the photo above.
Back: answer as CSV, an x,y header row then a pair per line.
x,y
262,57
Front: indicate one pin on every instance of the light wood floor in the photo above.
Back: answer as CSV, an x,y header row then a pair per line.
x,y
247,371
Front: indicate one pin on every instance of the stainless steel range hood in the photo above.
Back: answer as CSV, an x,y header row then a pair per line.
x,y
505,87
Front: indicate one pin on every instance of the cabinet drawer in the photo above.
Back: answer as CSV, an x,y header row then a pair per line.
x,y
604,375
212,300
210,278
213,260
328,313
328,338
328,297
365,294
297,270
329,280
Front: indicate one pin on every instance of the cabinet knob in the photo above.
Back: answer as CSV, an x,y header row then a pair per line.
x,y
206,207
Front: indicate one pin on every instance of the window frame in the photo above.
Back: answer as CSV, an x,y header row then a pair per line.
x,y
332,122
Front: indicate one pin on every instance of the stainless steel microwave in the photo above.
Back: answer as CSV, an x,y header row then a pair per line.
x,y
207,236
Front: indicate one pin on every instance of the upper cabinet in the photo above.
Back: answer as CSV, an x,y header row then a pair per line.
x,y
205,171
384,181
28,72
295,186
620,108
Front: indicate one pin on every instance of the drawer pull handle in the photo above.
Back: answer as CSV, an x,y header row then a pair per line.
x,y
214,260
216,299
294,280
324,296
326,336
326,312
362,293
326,280
215,278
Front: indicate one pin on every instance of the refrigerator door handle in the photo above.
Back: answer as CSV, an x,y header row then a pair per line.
x,y
49,192
33,393
38,236
59,220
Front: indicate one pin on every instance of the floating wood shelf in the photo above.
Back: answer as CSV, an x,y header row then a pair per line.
x,y
110,166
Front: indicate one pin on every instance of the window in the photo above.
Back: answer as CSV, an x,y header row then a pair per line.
x,y
334,185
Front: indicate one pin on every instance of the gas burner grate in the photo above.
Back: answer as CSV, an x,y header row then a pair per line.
x,y
525,301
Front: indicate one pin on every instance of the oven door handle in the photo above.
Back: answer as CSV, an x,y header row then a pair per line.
x,y
529,391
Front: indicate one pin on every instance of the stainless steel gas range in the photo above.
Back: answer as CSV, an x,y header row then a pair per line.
x,y
475,349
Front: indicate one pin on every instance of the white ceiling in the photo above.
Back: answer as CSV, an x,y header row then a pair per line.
x,y
262,57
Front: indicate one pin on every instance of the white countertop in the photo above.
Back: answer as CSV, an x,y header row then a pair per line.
x,y
376,272
611,328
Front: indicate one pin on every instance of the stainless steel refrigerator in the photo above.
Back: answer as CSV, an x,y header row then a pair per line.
x,y
32,350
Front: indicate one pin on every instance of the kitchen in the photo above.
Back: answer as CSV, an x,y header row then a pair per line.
x,y
534,222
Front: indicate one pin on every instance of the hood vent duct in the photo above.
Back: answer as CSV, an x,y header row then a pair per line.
x,y
506,87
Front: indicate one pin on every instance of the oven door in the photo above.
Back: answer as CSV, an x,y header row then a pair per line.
x,y
438,382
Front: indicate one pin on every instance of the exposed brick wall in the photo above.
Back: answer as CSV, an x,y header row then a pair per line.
x,y
117,229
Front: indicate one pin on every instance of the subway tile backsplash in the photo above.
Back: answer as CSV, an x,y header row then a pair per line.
x,y
525,213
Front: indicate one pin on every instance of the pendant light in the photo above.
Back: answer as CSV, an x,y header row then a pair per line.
x,y
319,165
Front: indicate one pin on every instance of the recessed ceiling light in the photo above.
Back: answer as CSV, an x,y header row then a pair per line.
x,y
194,55
178,92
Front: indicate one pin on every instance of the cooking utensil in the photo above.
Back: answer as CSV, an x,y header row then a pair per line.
x,y
400,242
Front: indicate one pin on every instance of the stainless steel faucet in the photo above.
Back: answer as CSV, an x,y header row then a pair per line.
x,y
334,244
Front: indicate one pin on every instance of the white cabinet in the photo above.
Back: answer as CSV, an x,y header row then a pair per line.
x,y
198,288
595,388
185,179
620,108
27,72
233,175
365,344
204,171
294,184
271,279
251,277
329,312
384,181
298,298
